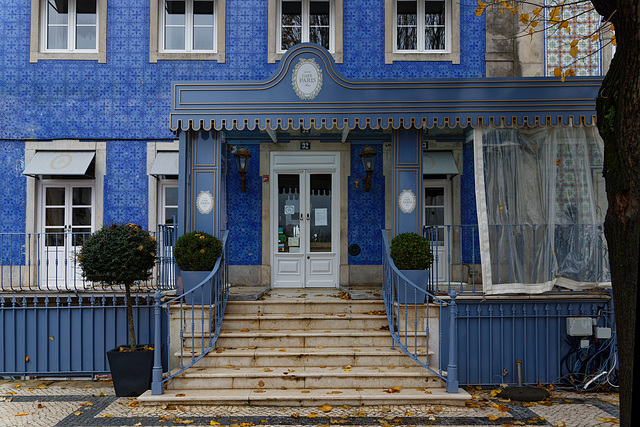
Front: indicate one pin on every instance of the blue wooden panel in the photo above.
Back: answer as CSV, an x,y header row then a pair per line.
x,y
407,176
67,336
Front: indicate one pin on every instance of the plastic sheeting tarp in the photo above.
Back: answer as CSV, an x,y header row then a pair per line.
x,y
541,207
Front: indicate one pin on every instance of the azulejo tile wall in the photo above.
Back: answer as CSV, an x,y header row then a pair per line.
x,y
244,210
366,209
468,212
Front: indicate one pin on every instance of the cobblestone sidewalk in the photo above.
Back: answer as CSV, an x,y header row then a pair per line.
x,y
92,403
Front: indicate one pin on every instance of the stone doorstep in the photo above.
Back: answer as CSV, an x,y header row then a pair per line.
x,y
303,351
297,397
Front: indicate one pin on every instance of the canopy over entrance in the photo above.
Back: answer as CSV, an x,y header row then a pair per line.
x,y
308,92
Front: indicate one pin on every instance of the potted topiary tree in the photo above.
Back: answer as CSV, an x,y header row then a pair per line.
x,y
123,254
411,254
196,254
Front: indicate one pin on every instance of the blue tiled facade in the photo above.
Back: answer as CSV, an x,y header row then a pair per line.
x,y
126,102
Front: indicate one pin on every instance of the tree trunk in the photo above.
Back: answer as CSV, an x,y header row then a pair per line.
x,y
619,125
132,330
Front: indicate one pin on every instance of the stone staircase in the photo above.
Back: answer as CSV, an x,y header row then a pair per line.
x,y
305,347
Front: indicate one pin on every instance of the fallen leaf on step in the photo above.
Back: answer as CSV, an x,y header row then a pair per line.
x,y
409,414
261,383
437,408
40,406
326,408
107,416
609,420
268,370
252,347
312,415
22,414
86,404
168,407
135,403
259,314
501,408
259,391
386,410
334,392
345,407
493,417
214,423
77,413
181,421
305,391
295,415
283,349
246,424
244,330
360,414
180,395
393,390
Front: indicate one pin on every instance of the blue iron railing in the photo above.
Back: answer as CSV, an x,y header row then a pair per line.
x,y
200,337
520,253
49,262
410,321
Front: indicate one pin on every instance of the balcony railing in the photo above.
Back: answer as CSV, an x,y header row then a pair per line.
x,y
48,262
522,253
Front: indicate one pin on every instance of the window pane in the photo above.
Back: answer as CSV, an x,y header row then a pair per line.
x,y
407,38
203,38
57,38
54,197
288,232
174,13
174,38
169,213
320,205
86,12
407,12
434,216
203,13
54,217
319,13
55,239
86,37
434,38
82,196
434,12
81,216
291,7
319,35
58,12
290,37
434,196
171,196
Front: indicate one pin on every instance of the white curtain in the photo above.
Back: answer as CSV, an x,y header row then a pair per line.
x,y
540,207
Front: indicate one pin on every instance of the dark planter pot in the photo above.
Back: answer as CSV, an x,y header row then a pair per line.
x,y
191,279
420,278
130,371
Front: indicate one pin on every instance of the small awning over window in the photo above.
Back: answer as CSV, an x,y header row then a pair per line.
x,y
166,163
439,163
68,163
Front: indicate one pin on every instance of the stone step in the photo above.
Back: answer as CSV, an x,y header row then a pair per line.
x,y
303,321
294,357
301,338
333,306
299,397
307,378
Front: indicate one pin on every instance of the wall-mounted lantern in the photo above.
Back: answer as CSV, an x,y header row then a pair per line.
x,y
368,156
242,156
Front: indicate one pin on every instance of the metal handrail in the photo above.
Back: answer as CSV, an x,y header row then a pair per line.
x,y
403,318
209,331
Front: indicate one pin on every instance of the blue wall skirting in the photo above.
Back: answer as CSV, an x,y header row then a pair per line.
x,y
493,335
68,335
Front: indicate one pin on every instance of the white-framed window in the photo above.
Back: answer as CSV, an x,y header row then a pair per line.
x,y
422,26
70,25
422,30
68,29
301,21
167,201
305,21
187,30
188,26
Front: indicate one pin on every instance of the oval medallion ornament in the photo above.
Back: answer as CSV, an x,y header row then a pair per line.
x,y
307,78
407,201
204,202
60,162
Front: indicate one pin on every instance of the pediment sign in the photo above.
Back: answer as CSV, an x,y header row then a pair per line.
x,y
307,78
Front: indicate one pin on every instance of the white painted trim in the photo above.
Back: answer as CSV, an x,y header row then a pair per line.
x,y
481,208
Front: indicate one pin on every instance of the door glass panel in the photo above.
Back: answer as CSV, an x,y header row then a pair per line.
x,y
54,196
434,212
288,234
80,216
54,217
81,196
320,210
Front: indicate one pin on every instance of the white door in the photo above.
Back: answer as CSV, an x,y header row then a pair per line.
x,y
305,222
66,218
437,212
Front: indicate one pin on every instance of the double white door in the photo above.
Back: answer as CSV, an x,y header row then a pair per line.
x,y
305,222
66,219
437,214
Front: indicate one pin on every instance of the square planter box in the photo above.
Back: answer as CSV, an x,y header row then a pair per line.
x,y
191,279
407,293
130,371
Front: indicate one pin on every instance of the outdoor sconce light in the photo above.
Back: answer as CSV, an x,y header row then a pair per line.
x,y
242,156
368,156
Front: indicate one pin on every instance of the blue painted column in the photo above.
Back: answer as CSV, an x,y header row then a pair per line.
x,y
201,181
406,190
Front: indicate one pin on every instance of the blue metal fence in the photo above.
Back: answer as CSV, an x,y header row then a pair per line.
x,y
67,334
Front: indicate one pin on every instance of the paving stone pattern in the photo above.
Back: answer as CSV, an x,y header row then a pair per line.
x,y
92,403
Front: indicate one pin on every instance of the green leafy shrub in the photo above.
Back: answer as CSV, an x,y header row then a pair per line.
x,y
410,251
118,254
197,251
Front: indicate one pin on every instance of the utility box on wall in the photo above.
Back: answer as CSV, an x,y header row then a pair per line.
x,y
579,326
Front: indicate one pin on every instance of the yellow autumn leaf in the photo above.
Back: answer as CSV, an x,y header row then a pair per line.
x,y
22,414
326,407
107,416
312,415
26,358
295,415
214,423
258,391
501,408
493,417
77,413
534,24
246,424
613,40
86,404
537,11
40,406
181,421
609,420
530,31
524,18
244,330
595,37
558,73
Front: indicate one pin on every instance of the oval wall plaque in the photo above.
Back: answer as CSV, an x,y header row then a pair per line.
x,y
407,201
204,202
307,78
